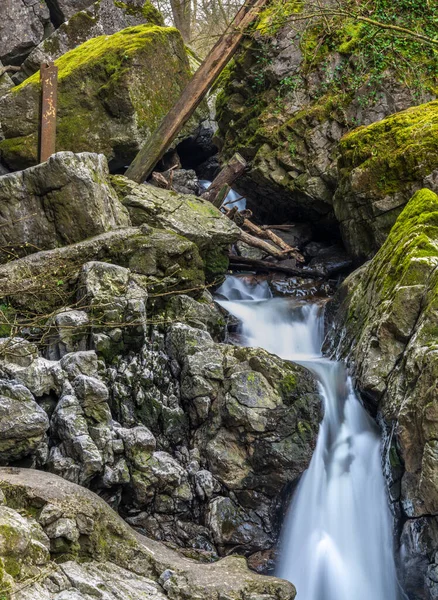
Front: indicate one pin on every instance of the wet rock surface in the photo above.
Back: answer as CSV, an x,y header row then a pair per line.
x,y
384,326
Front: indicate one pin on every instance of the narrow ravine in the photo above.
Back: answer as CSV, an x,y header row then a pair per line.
x,y
336,542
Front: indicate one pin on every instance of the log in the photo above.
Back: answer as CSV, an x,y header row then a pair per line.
x,y
7,68
223,193
240,262
194,93
268,234
228,175
255,242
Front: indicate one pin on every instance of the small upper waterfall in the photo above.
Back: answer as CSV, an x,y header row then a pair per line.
x,y
336,542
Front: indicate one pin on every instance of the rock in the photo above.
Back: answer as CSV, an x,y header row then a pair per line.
x,y
201,315
40,208
182,181
331,261
86,20
69,333
116,560
104,85
156,259
117,301
196,219
23,423
286,107
24,547
385,318
381,166
23,25
6,84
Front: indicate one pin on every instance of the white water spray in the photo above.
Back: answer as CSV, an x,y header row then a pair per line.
x,y
336,542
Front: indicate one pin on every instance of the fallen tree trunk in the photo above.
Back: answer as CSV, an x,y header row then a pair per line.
x,y
268,234
256,242
240,262
228,175
194,92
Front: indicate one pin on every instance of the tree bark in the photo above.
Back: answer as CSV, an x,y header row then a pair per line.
x,y
182,17
194,92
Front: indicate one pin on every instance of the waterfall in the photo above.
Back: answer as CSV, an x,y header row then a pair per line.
x,y
336,542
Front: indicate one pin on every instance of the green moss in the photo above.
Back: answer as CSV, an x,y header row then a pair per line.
x,y
216,263
289,384
147,11
273,17
391,153
412,244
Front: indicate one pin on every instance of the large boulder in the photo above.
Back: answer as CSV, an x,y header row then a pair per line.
x,y
105,557
23,25
47,280
62,201
194,218
380,168
113,92
385,327
101,18
297,87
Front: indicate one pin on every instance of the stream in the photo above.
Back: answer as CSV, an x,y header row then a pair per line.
x,y
336,541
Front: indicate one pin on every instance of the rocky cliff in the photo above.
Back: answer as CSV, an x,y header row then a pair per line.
x,y
384,327
298,87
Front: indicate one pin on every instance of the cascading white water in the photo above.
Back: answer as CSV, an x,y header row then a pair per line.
x,y
336,542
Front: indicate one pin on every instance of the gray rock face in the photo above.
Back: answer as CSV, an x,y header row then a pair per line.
x,y
102,18
386,330
23,24
40,207
196,219
106,559
23,423
193,441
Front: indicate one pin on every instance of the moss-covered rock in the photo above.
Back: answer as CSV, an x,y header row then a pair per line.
x,y
161,260
108,555
385,326
380,167
194,218
62,201
295,89
104,17
112,93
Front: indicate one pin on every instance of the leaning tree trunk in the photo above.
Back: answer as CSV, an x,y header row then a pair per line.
x,y
194,92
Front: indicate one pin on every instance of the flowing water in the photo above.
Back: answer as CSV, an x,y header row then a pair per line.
x,y
336,542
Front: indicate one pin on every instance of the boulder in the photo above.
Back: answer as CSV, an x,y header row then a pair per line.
x,y
194,218
23,25
101,18
46,280
384,325
380,168
61,201
113,92
105,556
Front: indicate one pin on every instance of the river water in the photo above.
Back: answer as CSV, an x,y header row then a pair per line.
x,y
336,541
